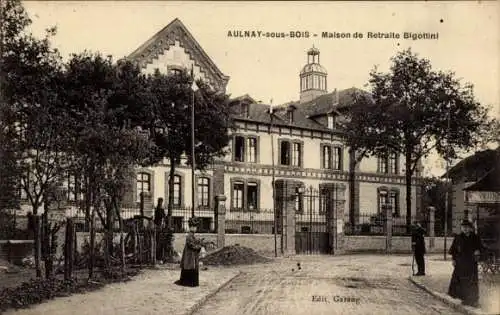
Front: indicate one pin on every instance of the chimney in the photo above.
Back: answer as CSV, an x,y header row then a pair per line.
x,y
335,97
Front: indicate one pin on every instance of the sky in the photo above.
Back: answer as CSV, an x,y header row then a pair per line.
x,y
268,68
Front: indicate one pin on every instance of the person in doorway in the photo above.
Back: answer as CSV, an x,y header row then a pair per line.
x,y
418,247
159,220
465,252
190,260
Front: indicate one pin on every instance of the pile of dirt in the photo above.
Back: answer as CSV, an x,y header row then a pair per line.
x,y
234,255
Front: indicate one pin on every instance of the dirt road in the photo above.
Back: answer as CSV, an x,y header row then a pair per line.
x,y
326,285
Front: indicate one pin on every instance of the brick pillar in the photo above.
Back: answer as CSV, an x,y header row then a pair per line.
x,y
340,220
218,180
286,191
430,228
335,216
388,228
220,215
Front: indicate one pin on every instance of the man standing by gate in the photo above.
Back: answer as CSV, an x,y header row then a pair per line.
x,y
418,247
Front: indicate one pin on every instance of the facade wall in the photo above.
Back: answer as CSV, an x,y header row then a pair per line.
x,y
174,58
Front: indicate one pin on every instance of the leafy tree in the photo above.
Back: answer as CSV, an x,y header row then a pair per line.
x,y
169,124
30,86
105,146
414,111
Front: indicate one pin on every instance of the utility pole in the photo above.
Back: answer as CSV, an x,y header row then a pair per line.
x,y
194,88
447,194
271,114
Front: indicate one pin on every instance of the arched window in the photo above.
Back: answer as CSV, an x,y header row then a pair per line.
x,y
143,184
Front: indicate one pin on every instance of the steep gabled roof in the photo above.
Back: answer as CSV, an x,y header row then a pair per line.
x,y
161,41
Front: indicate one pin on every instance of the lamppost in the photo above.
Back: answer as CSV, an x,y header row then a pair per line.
x,y
448,187
194,88
273,180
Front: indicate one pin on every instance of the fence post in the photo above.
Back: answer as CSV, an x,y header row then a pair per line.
x,y
220,214
286,190
388,226
432,214
339,222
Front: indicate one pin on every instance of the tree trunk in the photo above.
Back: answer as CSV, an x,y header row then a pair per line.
x,y
122,241
38,245
108,250
408,173
170,193
92,244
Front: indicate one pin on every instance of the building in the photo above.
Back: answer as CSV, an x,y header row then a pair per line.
x,y
298,140
475,188
301,133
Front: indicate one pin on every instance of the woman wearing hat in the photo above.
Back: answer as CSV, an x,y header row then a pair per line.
x,y
191,257
465,251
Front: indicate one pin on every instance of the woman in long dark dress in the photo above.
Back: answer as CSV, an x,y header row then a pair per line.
x,y
465,251
191,257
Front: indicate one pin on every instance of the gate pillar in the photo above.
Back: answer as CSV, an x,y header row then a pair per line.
x,y
335,216
286,191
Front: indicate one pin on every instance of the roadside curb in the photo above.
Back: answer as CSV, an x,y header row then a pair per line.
x,y
200,303
456,304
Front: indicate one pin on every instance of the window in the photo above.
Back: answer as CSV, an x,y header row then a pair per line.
x,y
337,158
252,150
391,198
245,195
331,157
245,149
296,154
204,192
177,191
382,200
299,203
245,110
393,163
285,153
388,164
174,70
331,121
382,165
143,184
252,196
291,153
394,202
239,149
75,192
327,157
289,114
237,198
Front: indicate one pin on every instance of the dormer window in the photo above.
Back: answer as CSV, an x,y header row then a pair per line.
x,y
245,110
331,121
289,114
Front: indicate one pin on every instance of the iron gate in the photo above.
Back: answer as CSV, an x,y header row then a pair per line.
x,y
314,215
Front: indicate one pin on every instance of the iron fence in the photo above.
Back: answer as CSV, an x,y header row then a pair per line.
x,y
259,221
366,224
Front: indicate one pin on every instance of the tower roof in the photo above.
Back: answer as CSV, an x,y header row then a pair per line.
x,y
313,65
313,51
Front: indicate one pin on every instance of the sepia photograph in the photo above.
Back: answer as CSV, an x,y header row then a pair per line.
x,y
249,157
